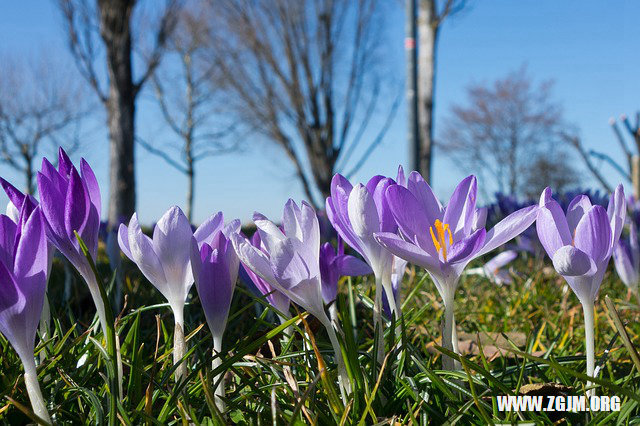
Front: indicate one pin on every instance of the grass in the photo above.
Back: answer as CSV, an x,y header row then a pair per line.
x,y
529,332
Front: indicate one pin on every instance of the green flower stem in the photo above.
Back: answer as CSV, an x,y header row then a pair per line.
x,y
588,308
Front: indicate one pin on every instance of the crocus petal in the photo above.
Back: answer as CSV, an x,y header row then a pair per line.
x,y
8,229
255,259
501,260
578,207
624,265
172,244
270,234
408,251
205,232
362,212
633,245
616,211
90,180
310,228
15,196
351,266
410,217
143,254
52,207
593,234
552,227
466,249
77,206
509,227
64,163
291,217
387,222
123,240
400,178
479,218
424,194
572,262
12,212
461,207
337,211
288,265
12,304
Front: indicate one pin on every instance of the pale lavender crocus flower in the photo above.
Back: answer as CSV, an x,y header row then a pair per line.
x,y
333,266
443,240
626,258
24,254
290,264
71,203
580,243
357,212
215,271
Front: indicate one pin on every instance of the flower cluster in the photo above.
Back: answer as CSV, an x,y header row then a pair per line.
x,y
388,222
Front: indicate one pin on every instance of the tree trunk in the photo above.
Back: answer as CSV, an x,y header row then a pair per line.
x,y
411,34
190,189
28,174
116,32
428,34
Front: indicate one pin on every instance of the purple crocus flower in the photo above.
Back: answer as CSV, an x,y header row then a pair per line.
x,y
70,202
357,212
626,258
444,240
580,243
215,271
24,255
275,297
290,264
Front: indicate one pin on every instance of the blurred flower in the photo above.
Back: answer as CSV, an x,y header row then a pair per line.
x,y
580,244
493,271
290,264
445,240
24,255
215,270
626,258
70,202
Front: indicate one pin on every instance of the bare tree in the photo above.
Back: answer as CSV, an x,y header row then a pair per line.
x,y
431,15
188,102
630,170
556,171
502,127
41,108
301,73
102,32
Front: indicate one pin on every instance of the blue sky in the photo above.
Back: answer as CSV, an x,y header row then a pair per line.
x,y
588,47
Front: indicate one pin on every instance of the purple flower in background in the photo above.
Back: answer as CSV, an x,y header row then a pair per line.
x,y
290,264
24,258
215,271
444,240
70,202
493,271
334,265
626,258
275,297
580,243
